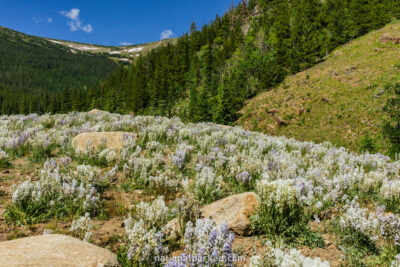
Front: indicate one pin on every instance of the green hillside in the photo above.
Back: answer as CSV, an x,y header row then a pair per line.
x,y
35,68
340,100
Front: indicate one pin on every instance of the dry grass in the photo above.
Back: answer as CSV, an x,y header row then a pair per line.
x,y
336,100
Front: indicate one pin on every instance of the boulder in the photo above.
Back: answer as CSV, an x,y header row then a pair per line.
x,y
112,140
234,210
97,111
54,250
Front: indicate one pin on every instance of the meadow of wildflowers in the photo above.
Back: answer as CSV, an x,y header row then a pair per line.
x,y
181,166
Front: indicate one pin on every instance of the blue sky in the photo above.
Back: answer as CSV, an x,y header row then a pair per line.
x,y
108,22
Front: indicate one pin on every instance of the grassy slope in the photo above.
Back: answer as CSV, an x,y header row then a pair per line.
x,y
349,79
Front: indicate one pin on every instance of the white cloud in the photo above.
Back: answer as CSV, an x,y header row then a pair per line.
x,y
125,43
75,22
42,20
73,14
166,34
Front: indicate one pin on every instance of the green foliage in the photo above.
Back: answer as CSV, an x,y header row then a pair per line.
x,y
288,222
355,245
40,154
30,212
391,128
368,144
5,163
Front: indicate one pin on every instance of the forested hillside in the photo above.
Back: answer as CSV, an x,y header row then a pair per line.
x,y
37,75
209,73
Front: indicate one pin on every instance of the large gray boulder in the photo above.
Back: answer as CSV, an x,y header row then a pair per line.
x,y
54,250
234,210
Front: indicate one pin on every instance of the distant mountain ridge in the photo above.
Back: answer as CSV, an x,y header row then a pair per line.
x,y
33,68
120,54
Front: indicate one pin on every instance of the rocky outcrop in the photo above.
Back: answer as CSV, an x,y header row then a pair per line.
x,y
112,140
54,250
234,210
386,39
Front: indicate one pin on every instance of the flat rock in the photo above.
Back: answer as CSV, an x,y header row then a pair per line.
x,y
234,210
112,140
54,250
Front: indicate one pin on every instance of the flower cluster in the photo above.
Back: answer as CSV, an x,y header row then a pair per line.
x,y
357,219
83,226
144,232
281,193
207,245
145,245
389,229
61,188
279,257
390,192
208,184
152,214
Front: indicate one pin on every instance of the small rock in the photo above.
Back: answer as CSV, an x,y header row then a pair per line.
x,y
97,111
234,210
279,121
301,111
54,250
272,111
173,229
271,126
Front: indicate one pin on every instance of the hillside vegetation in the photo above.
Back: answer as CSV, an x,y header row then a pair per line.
x,y
340,100
35,73
209,73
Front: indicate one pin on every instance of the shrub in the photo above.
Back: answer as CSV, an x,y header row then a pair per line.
x,y
145,235
59,192
4,160
208,185
358,228
283,213
82,227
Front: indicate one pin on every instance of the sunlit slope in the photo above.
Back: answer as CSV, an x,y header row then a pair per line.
x,y
339,100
